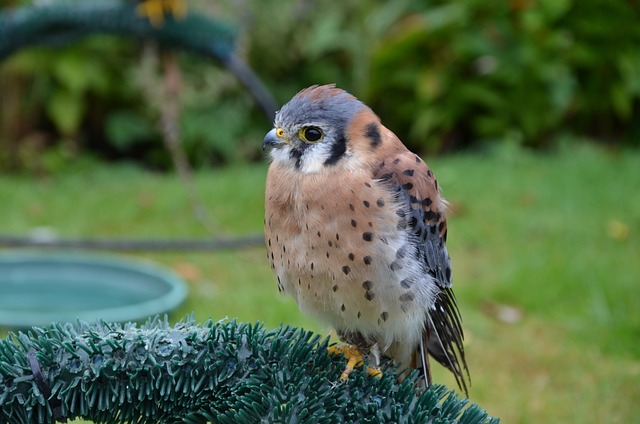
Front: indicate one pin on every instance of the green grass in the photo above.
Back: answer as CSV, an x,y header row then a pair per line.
x,y
556,237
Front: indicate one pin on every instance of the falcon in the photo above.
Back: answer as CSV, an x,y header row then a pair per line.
x,y
356,233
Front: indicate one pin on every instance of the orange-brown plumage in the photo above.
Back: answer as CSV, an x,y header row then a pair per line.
x,y
355,229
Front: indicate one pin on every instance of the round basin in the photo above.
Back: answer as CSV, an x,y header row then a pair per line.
x,y
38,288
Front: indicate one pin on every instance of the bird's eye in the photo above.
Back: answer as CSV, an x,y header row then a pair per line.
x,y
311,134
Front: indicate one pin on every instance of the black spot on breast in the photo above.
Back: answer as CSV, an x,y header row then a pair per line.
x,y
407,186
335,288
408,172
319,235
407,297
337,237
418,160
373,134
367,285
354,224
359,314
338,148
396,161
366,203
351,207
395,265
343,308
426,201
367,236
387,177
367,260
352,256
346,269
312,265
380,203
384,316
330,243
368,185
401,213
369,295
406,283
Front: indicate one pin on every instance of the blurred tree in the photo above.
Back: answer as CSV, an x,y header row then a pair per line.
x,y
442,74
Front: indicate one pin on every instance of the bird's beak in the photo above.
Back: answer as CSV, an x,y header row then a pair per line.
x,y
272,140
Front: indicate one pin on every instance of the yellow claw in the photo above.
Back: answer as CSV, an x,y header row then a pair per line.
x,y
355,358
155,10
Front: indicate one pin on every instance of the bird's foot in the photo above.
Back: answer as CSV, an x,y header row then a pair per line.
x,y
155,10
355,358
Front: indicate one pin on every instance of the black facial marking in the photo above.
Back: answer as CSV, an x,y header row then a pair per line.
x,y
296,154
372,133
338,150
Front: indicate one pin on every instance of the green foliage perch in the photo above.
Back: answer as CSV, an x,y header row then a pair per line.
x,y
222,372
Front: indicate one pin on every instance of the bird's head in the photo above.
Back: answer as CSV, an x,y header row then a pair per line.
x,y
311,131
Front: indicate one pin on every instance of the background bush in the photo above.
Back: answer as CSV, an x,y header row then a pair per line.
x,y
442,74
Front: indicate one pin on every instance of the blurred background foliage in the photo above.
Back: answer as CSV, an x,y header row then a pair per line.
x,y
444,75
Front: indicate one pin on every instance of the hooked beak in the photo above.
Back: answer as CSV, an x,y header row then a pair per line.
x,y
272,140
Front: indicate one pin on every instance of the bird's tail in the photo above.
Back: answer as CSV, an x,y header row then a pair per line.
x,y
443,338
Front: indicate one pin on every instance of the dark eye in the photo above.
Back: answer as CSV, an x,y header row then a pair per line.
x,y
311,134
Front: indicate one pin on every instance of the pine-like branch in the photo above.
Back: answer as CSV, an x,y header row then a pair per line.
x,y
223,372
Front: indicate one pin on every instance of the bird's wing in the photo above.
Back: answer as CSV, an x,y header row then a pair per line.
x,y
419,198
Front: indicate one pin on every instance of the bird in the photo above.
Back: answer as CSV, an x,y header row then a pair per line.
x,y
356,230
155,10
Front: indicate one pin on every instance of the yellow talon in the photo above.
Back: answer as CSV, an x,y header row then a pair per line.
x,y
155,10
355,358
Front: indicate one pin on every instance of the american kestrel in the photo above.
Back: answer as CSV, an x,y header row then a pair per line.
x,y
355,229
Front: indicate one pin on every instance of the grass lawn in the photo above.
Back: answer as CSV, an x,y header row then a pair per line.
x,y
545,249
